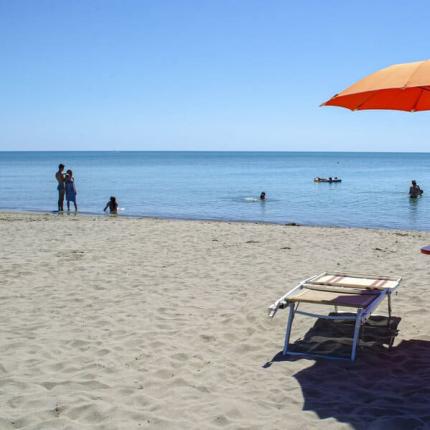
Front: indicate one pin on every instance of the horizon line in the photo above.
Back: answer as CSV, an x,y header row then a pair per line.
x,y
212,150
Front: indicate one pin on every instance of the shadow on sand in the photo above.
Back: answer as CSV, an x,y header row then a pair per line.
x,y
383,389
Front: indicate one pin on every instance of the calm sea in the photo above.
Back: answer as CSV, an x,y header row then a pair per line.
x,y
225,185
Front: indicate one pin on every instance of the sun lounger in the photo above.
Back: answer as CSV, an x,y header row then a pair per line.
x,y
359,294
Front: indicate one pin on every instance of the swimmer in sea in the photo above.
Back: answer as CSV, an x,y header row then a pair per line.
x,y
263,196
415,190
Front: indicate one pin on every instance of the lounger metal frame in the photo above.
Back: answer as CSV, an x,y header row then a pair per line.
x,y
360,318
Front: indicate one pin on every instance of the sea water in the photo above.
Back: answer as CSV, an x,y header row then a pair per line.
x,y
226,185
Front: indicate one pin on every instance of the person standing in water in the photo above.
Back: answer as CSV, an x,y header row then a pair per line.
x,y
59,176
415,190
263,196
70,190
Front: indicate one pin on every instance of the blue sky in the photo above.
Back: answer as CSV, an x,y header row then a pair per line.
x,y
203,75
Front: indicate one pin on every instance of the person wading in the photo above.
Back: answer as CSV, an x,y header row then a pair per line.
x,y
59,176
415,190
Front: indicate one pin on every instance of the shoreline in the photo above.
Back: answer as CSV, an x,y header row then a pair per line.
x,y
209,220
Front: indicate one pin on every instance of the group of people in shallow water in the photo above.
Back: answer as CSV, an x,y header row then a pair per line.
x,y
414,190
67,189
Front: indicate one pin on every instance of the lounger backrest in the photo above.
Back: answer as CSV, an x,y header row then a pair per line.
x,y
350,281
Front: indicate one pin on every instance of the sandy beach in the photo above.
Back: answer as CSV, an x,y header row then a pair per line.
x,y
115,323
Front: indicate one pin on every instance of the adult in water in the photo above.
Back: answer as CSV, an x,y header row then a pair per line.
x,y
59,176
415,190
263,196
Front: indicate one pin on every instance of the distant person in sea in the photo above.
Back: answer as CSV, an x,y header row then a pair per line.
x,y
70,190
263,196
112,204
415,190
59,176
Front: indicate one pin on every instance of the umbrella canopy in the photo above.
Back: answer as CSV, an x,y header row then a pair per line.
x,y
399,87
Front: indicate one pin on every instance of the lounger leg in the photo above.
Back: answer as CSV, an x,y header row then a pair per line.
x,y
389,308
389,322
355,339
289,325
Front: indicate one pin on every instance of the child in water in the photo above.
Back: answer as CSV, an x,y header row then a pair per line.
x,y
69,184
112,204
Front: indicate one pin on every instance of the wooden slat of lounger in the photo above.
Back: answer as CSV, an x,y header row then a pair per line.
x,y
354,278
340,290
348,280
365,275
355,282
333,299
356,286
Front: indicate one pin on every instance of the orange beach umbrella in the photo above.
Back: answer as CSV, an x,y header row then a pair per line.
x,y
399,87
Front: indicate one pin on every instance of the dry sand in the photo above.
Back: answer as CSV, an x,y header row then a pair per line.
x,y
112,323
